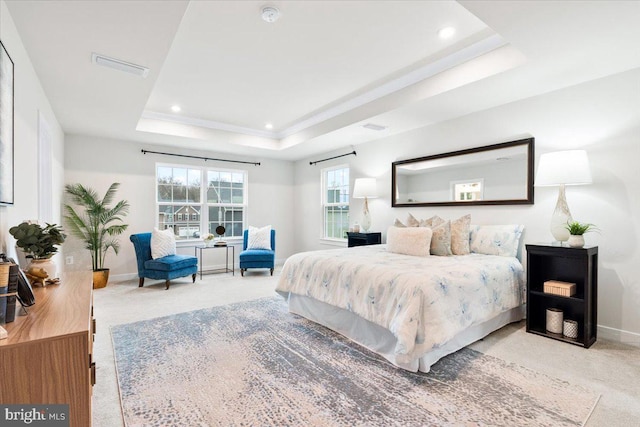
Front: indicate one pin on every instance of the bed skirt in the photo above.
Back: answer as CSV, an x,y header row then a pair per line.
x,y
381,341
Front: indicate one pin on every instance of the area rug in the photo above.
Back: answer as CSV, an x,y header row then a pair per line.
x,y
255,364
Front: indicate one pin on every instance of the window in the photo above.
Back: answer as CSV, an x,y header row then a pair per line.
x,y
335,202
194,201
468,190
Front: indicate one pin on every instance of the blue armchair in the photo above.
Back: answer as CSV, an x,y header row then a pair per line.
x,y
257,258
165,268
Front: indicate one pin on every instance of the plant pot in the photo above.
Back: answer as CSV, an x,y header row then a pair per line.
x,y
100,278
576,241
45,264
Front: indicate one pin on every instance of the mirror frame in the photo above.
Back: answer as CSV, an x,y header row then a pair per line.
x,y
528,142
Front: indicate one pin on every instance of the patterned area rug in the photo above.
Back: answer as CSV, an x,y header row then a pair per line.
x,y
255,364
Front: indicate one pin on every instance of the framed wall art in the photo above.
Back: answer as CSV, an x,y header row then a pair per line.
x,y
6,127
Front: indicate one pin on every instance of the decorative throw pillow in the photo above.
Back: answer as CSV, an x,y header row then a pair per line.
x,y
259,238
412,221
441,239
398,223
460,235
414,241
163,243
430,222
502,240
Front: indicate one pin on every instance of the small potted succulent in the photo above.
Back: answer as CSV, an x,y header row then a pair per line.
x,y
576,230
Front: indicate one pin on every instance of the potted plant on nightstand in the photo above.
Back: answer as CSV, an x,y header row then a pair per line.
x,y
97,226
39,244
576,231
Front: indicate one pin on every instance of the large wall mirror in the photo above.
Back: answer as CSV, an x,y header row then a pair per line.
x,y
499,174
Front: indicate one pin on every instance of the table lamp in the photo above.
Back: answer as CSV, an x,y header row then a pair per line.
x,y
562,168
363,189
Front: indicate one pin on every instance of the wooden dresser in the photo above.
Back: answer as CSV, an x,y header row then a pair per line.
x,y
47,357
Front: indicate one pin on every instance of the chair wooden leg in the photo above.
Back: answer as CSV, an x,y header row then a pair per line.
x,y
272,271
167,283
242,272
193,278
141,282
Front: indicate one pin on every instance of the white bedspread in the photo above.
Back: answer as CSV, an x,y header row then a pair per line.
x,y
423,301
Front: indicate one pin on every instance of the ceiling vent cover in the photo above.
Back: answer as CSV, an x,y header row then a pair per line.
x,y
373,126
117,64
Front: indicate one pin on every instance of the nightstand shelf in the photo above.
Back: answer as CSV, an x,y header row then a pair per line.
x,y
363,239
575,265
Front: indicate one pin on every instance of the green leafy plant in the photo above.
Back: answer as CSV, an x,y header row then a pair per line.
x,y
36,241
577,229
98,224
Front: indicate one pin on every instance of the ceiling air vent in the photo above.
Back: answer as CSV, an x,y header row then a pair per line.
x,y
372,126
117,64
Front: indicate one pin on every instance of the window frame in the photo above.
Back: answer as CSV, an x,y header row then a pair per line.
x,y
324,203
203,205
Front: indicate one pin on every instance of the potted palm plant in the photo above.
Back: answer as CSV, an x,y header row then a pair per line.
x,y
98,225
576,230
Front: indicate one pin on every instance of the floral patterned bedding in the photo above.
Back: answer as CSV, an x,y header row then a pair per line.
x,y
423,301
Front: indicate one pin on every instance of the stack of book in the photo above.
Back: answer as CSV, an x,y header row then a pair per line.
x,y
8,288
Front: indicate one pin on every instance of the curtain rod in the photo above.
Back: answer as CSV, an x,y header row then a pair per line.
x,y
198,157
334,157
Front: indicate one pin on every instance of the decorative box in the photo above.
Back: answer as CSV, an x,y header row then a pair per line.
x,y
556,287
554,320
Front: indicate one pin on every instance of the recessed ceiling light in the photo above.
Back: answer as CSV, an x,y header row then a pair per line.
x,y
175,108
372,126
268,126
270,14
446,32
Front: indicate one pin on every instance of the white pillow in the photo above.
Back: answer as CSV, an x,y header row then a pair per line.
x,y
163,243
414,241
500,240
259,238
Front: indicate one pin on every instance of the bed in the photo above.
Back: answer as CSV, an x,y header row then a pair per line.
x,y
411,310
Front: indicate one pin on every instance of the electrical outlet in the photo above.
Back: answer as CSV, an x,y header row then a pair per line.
x,y
69,260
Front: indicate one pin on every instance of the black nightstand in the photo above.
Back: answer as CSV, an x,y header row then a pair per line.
x,y
363,239
574,265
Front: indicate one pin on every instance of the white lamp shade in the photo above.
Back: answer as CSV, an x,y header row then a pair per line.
x,y
563,167
365,187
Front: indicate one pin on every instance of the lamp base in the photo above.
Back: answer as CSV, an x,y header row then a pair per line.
x,y
561,217
366,217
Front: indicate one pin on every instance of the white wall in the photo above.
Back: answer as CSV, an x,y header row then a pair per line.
x,y
98,162
601,116
29,99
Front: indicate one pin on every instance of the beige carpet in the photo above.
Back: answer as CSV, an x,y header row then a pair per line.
x,y
253,363
609,368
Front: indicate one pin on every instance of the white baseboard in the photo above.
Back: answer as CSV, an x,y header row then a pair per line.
x,y
619,335
123,277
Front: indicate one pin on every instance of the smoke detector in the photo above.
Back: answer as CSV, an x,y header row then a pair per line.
x,y
270,14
